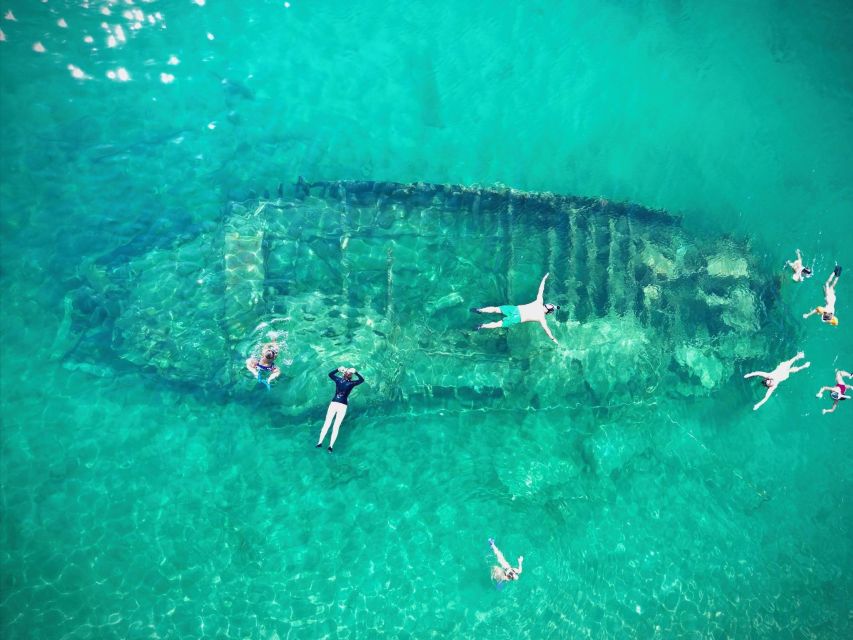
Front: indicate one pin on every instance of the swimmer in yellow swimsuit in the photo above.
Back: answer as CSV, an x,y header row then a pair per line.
x,y
531,312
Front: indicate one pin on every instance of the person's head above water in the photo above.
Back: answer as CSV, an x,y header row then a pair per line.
x,y
806,272
768,382
826,316
348,373
270,351
550,308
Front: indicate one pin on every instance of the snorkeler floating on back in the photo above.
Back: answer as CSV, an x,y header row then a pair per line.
x,y
779,374
531,312
827,312
338,406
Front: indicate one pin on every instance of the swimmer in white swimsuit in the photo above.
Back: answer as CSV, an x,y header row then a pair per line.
x,y
779,374
800,272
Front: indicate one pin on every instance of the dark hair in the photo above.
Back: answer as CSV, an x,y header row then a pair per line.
x,y
807,271
767,382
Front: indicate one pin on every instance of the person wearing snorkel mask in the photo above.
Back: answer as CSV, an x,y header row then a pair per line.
x,y
531,312
342,377
838,392
504,572
800,272
827,312
265,364
779,374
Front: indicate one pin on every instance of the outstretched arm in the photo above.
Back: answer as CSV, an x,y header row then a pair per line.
x,y
541,288
765,398
810,313
547,330
360,379
763,374
520,560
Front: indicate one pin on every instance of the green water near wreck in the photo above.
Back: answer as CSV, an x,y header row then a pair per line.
x,y
138,507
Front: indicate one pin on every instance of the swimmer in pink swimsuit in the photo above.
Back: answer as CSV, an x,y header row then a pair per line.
x,y
836,392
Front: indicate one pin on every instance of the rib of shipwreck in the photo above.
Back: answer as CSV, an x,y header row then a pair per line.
x,y
381,276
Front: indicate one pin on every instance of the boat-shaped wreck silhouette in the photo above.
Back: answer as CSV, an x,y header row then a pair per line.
x,y
382,276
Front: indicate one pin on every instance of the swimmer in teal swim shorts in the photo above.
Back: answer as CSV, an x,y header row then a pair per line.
x,y
531,312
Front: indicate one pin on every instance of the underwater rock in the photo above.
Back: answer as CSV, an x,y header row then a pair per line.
x,y
739,309
380,276
726,265
653,258
707,368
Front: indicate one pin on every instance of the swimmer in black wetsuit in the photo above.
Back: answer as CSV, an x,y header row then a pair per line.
x,y
338,406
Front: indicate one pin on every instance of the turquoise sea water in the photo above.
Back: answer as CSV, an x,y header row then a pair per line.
x,y
134,506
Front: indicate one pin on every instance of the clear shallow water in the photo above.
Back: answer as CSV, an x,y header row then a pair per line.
x,y
132,506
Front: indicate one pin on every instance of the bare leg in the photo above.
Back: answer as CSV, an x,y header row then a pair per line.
x,y
805,366
791,362
489,310
492,325
840,375
763,374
